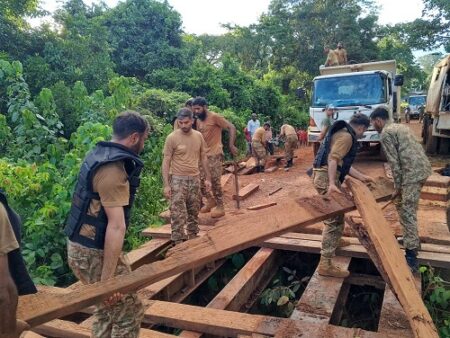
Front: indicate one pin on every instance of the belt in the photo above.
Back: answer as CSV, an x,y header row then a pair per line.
x,y
185,177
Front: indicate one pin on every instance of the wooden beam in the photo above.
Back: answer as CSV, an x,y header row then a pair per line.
x,y
256,273
321,294
377,237
229,236
230,323
246,191
224,179
262,206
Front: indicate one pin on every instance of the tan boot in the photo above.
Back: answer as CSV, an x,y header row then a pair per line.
x,y
210,203
343,242
326,268
218,212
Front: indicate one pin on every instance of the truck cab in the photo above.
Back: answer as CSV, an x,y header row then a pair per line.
x,y
352,89
414,103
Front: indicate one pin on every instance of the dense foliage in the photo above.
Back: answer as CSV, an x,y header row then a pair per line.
x,y
61,85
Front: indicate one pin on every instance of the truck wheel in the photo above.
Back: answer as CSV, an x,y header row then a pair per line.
x,y
431,142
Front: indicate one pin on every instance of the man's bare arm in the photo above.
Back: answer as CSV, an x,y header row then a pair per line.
x,y
114,237
359,175
232,130
8,300
332,171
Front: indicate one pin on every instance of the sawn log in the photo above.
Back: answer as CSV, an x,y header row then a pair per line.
x,y
235,234
378,239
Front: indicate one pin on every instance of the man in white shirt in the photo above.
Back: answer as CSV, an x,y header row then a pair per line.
x,y
253,124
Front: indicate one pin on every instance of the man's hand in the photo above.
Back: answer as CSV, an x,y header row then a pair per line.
x,y
396,193
368,179
333,188
167,192
113,299
233,150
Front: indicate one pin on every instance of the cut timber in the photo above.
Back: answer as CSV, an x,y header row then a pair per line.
x,y
66,329
275,191
230,323
320,295
271,169
262,206
257,273
224,179
164,231
377,238
233,235
247,171
246,191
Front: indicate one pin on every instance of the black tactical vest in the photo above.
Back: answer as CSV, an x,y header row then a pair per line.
x,y
17,268
103,153
322,155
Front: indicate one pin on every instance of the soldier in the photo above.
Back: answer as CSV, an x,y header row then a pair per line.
x,y
290,135
183,150
259,146
327,122
410,169
341,54
98,219
332,58
14,278
332,164
211,125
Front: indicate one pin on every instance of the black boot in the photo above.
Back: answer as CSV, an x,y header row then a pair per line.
x,y
290,162
258,168
411,259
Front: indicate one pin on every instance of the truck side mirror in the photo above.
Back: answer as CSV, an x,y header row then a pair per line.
x,y
300,93
398,80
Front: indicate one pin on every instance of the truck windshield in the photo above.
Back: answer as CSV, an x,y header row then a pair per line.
x,y
417,100
354,90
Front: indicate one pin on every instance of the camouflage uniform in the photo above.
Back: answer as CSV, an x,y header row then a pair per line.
x,y
259,152
215,169
122,319
410,169
289,146
334,227
184,206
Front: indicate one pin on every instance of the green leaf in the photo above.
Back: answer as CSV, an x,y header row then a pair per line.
x,y
282,300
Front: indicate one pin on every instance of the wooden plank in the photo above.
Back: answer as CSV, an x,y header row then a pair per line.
x,y
246,191
165,231
224,179
275,191
31,334
435,259
257,271
230,323
247,171
232,235
271,169
262,206
377,238
321,294
66,329
147,253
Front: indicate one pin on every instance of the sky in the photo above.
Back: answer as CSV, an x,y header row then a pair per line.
x,y
207,16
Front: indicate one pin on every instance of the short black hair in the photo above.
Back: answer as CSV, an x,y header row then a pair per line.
x,y
200,101
129,122
188,103
360,119
380,112
267,124
185,113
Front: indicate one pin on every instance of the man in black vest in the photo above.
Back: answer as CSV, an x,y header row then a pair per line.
x,y
99,217
14,278
332,163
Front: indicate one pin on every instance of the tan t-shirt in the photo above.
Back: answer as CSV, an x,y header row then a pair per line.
x,y
332,59
287,129
259,135
341,56
185,151
341,143
211,129
111,183
8,240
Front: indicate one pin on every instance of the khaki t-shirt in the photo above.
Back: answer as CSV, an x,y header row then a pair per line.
x,y
185,151
341,56
287,130
341,143
211,129
111,183
332,59
259,135
8,240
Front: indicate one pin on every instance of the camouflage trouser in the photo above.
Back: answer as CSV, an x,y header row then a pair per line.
x,y
407,203
259,152
215,168
184,206
120,320
289,146
334,227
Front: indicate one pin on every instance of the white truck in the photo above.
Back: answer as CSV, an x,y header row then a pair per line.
x,y
436,122
352,89
414,103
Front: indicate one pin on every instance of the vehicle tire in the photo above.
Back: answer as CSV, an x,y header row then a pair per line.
x,y
431,142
